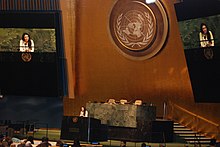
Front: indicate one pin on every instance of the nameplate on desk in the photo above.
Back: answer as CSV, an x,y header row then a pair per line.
x,y
74,130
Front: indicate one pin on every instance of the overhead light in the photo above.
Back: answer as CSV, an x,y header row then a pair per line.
x,y
150,1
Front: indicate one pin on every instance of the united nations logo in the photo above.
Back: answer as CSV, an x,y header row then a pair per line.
x,y
139,30
135,29
26,57
208,53
75,119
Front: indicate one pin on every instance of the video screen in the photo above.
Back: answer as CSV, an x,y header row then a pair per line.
x,y
31,50
190,31
27,40
199,22
30,31
200,38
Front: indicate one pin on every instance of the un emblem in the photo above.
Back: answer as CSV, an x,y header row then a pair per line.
x,y
208,53
26,57
139,30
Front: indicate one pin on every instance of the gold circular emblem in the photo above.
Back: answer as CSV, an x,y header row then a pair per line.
x,y
26,57
75,119
208,53
138,29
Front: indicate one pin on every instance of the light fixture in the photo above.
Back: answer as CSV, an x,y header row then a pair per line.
x,y
123,101
150,1
138,102
1,96
111,101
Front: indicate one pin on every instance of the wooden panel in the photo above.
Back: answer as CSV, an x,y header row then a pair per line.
x,y
102,72
68,16
29,5
97,71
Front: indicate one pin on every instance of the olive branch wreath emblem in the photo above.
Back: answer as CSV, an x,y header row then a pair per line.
x,y
146,38
26,57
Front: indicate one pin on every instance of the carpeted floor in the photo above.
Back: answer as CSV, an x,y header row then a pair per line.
x,y
54,135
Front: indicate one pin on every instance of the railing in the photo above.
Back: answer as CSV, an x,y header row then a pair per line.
x,y
193,121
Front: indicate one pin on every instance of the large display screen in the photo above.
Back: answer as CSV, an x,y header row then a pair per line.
x,y
202,52
12,39
37,30
30,53
191,28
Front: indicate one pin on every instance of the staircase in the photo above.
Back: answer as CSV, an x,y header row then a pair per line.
x,y
189,136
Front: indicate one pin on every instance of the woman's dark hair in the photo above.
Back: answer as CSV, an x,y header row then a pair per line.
x,y
45,139
208,34
143,145
29,40
76,143
84,109
31,139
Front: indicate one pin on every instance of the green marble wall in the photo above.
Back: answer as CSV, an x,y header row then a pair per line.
x,y
44,39
121,115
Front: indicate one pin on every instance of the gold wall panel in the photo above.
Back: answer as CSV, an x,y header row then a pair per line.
x,y
102,72
97,71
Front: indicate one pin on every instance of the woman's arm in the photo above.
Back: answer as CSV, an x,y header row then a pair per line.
x,y
86,113
21,46
32,46
201,40
212,39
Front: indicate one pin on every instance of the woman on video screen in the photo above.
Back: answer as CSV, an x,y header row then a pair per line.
x,y
26,43
205,36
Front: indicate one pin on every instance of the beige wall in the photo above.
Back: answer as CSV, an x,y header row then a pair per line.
x,y
97,71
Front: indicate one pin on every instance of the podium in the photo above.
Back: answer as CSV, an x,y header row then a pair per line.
x,y
83,129
132,123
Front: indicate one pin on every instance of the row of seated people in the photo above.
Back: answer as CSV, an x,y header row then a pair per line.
x,y
29,142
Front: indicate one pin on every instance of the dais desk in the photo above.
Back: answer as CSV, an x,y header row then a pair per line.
x,y
122,115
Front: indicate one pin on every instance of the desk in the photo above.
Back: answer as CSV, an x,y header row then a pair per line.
x,y
38,77
203,66
132,123
126,115
83,129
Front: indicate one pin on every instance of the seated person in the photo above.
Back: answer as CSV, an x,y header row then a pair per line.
x,y
123,144
44,142
76,143
30,141
59,143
